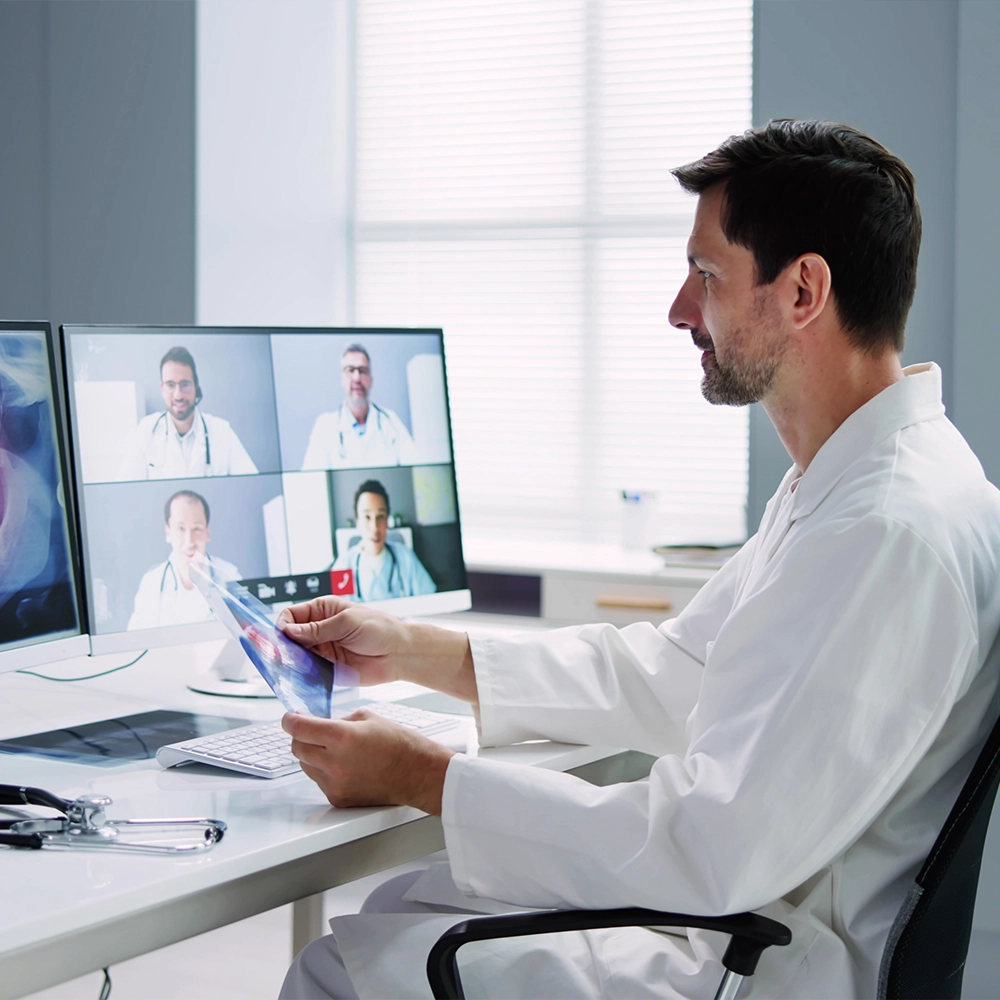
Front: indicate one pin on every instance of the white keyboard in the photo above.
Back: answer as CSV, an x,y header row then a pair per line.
x,y
263,749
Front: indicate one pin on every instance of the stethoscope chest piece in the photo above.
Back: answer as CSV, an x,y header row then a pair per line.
x,y
85,825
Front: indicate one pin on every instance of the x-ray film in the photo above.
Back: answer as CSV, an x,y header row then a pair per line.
x,y
301,680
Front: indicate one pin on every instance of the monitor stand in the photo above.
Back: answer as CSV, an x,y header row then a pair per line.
x,y
232,675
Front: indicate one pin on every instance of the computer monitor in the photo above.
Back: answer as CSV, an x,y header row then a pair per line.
x,y
302,462
40,619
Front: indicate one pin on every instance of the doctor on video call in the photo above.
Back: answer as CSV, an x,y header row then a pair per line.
x,y
182,441
167,595
382,569
360,434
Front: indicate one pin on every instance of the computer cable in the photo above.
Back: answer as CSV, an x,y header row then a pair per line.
x,y
89,677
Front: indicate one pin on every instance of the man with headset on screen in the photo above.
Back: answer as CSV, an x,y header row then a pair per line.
x,y
814,710
167,595
360,434
182,441
381,568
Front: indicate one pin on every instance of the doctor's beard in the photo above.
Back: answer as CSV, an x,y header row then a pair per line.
x,y
751,365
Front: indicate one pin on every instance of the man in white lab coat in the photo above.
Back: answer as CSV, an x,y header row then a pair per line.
x,y
167,595
359,434
182,441
814,710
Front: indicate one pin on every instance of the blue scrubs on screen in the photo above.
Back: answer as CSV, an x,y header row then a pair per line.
x,y
402,574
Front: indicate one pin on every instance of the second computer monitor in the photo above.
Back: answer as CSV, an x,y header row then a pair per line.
x,y
301,462
39,616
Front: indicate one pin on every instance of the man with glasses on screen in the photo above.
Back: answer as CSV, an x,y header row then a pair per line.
x,y
360,434
814,711
167,595
181,441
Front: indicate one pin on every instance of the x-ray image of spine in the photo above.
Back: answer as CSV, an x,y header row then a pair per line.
x,y
35,583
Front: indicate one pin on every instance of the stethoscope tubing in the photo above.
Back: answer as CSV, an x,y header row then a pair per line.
x,y
378,415
166,434
395,569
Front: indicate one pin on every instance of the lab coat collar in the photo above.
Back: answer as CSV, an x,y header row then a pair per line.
x,y
197,428
911,400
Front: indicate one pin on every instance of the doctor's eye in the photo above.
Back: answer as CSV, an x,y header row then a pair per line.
x,y
706,274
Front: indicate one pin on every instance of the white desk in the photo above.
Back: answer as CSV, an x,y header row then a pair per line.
x,y
66,914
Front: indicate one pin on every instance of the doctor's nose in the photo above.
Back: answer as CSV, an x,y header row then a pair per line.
x,y
685,313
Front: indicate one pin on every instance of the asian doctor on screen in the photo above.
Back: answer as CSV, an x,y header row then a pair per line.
x,y
181,440
359,434
382,568
166,594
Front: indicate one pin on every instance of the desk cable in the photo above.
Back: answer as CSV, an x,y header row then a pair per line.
x,y
89,677
105,986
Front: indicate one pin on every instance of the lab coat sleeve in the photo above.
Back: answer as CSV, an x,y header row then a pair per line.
x,y
146,606
631,687
405,444
820,695
420,581
240,462
133,463
318,450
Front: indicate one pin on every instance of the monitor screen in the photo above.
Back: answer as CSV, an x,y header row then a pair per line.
x,y
39,613
300,462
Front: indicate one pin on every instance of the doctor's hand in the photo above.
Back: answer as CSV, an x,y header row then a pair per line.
x,y
382,648
368,640
365,760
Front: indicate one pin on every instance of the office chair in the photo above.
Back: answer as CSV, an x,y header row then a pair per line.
x,y
924,956
750,935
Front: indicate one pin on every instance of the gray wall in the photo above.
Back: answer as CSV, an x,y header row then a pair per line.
x,y
921,76
97,161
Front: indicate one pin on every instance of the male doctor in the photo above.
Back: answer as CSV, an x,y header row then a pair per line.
x,y
181,441
381,569
814,710
167,595
360,434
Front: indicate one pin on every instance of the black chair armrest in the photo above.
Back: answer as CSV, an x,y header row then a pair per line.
x,y
751,934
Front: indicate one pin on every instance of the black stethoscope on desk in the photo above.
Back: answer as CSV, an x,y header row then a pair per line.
x,y
204,427
378,420
83,825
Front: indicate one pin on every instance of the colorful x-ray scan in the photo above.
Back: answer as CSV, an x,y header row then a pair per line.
x,y
37,593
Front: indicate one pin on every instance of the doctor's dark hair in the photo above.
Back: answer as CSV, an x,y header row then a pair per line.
x,y
190,495
371,486
802,186
182,356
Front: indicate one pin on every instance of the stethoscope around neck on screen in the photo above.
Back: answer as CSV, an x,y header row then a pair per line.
x,y
378,420
204,427
173,572
394,569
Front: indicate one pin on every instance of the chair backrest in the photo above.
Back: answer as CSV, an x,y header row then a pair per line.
x,y
927,946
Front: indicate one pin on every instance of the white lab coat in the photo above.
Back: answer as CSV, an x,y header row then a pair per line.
x,y
401,574
163,600
154,449
814,711
335,441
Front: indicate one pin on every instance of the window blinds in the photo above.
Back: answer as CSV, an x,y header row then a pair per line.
x,y
512,187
